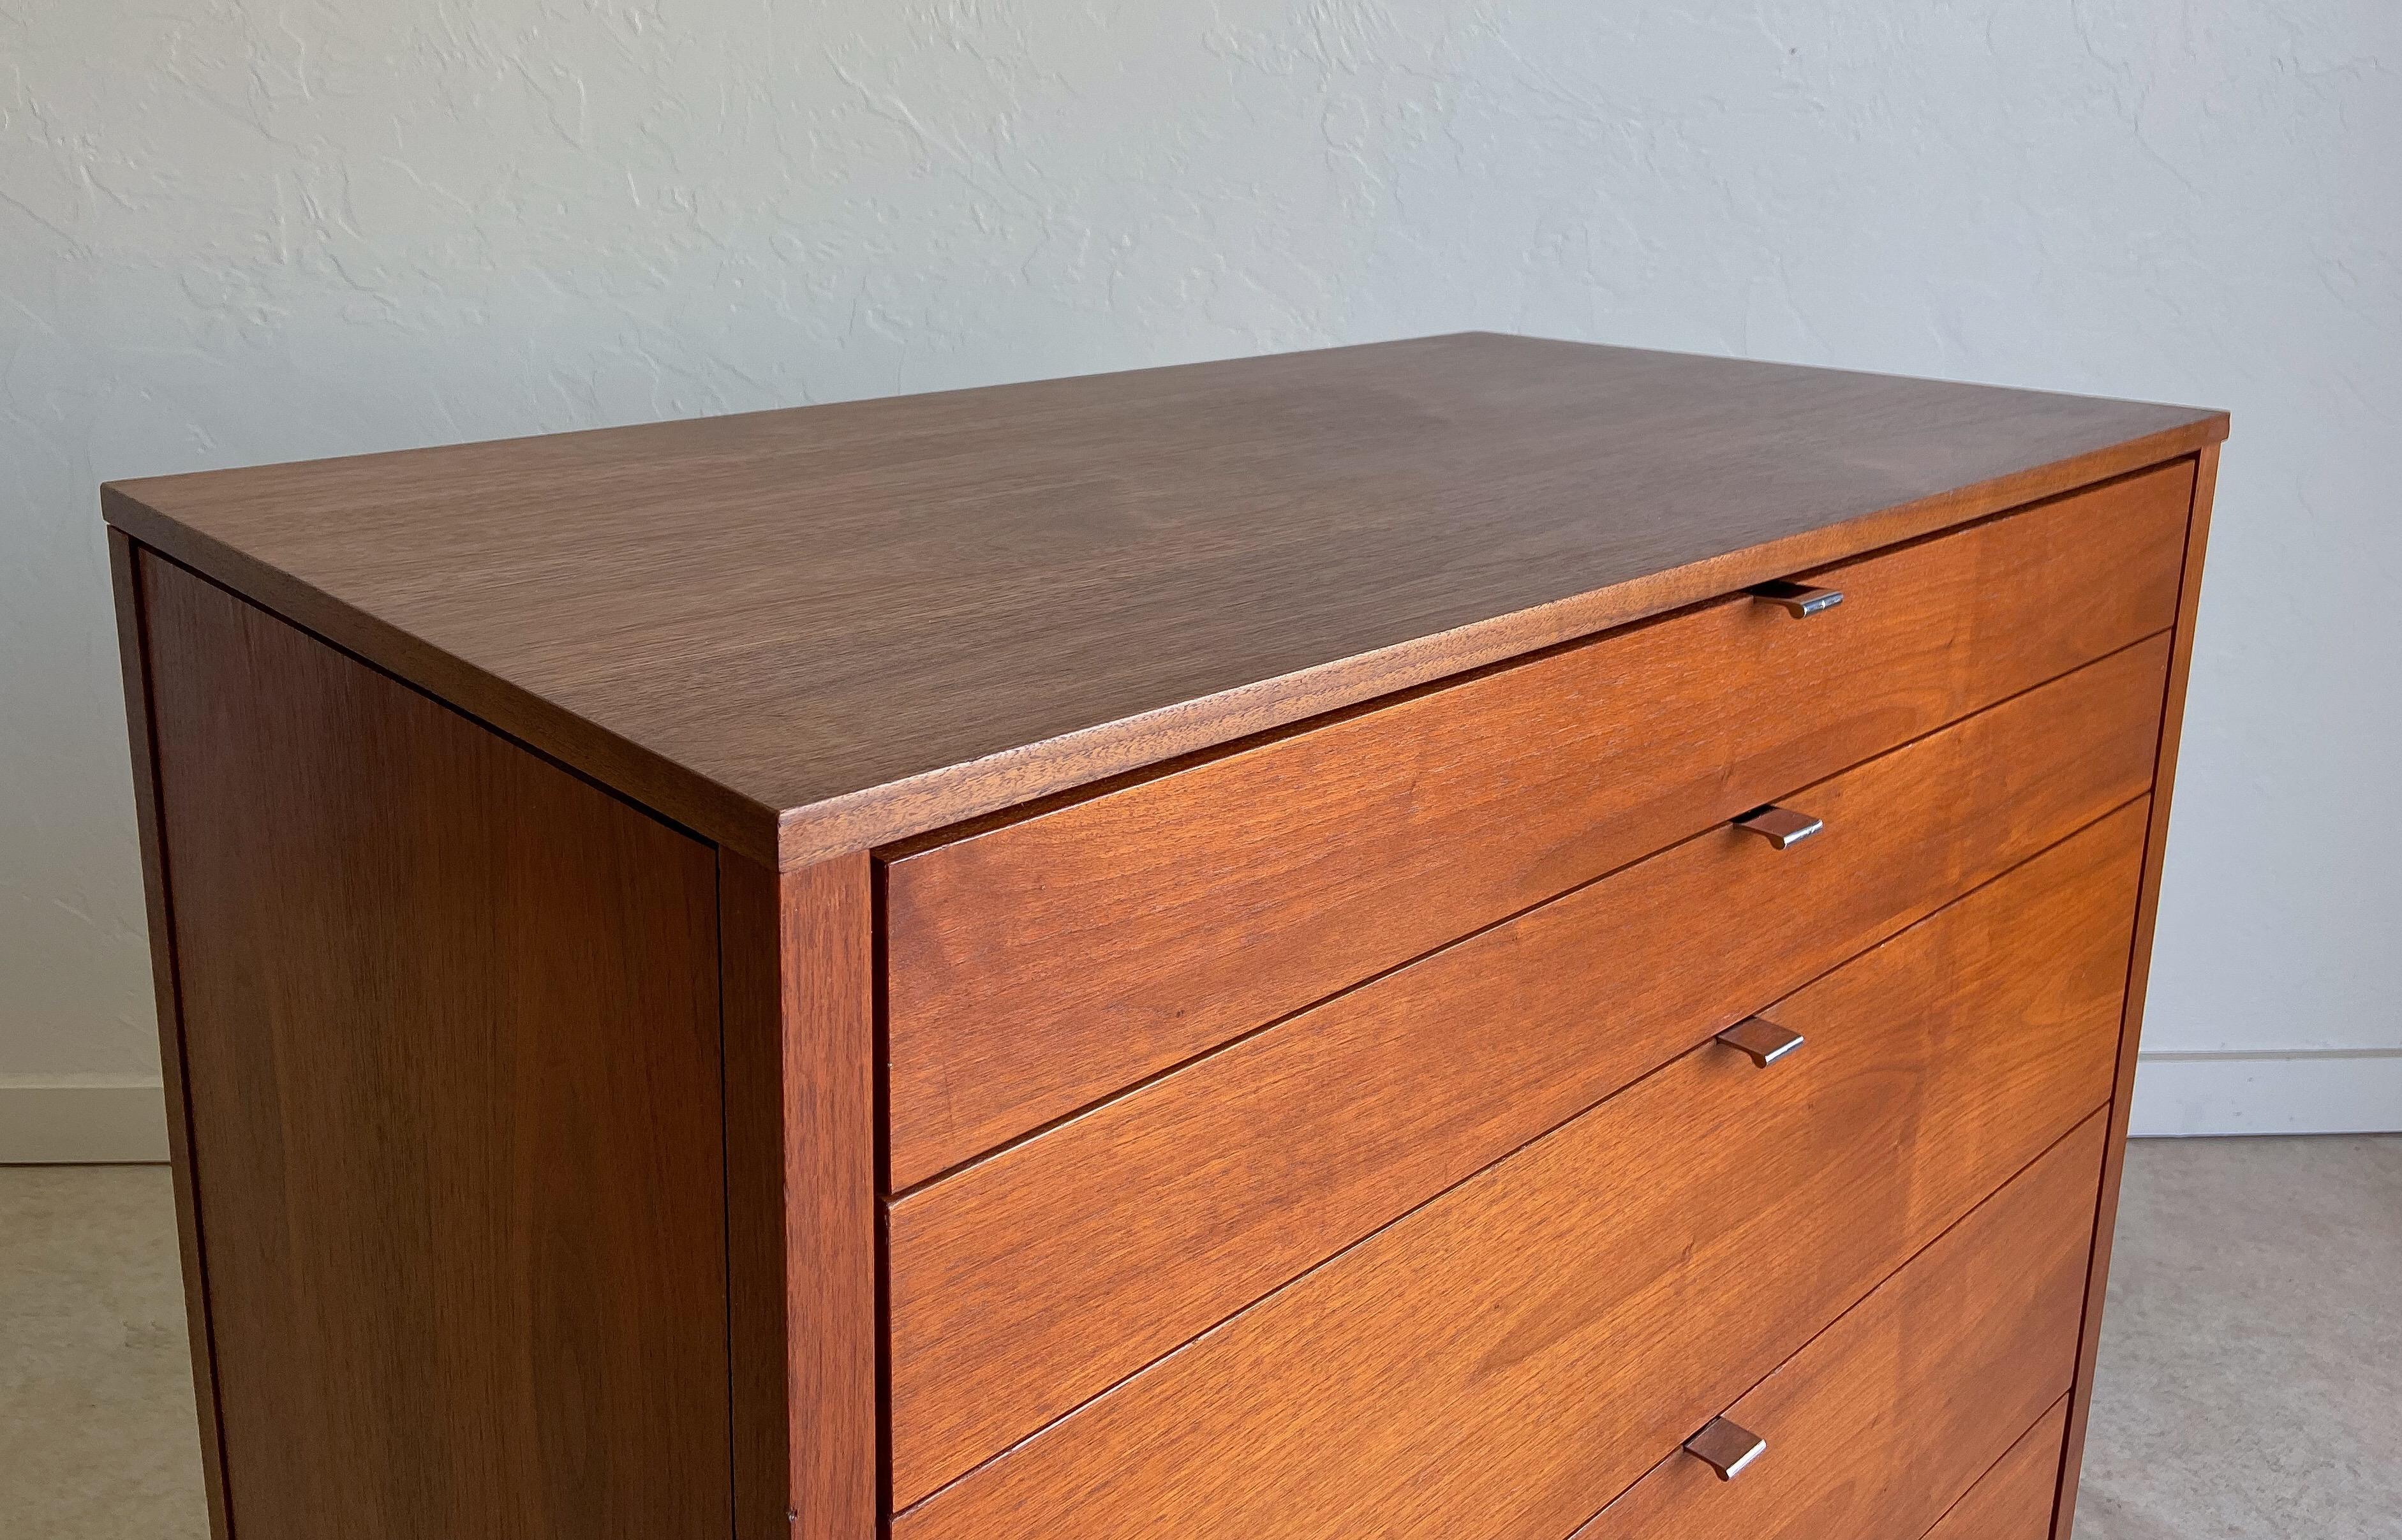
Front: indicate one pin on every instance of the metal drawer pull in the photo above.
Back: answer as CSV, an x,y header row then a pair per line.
x,y
1798,599
1779,826
1726,1447
1760,1040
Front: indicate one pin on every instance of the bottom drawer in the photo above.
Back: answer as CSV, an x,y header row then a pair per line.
x,y
1879,1425
2014,1500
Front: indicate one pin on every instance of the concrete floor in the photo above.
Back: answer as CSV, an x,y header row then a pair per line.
x,y
2251,1374
97,1436
2250,1386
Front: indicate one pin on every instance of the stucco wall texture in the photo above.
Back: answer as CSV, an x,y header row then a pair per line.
x,y
243,230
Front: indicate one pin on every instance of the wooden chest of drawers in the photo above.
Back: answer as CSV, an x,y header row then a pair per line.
x,y
1347,944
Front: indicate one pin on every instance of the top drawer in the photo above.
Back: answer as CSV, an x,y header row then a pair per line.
x,y
1038,966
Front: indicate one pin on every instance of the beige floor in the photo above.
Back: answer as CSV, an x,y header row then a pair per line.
x,y
2251,1380
2251,1373
97,1440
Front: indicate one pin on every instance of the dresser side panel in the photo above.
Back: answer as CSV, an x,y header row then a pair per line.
x,y
125,574
450,1042
2139,966
758,1335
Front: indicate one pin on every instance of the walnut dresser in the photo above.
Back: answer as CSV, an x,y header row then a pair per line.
x,y
1464,938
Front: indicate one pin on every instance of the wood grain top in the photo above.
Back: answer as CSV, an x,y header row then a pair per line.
x,y
816,630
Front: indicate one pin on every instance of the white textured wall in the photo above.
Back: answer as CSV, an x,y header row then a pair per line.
x,y
243,230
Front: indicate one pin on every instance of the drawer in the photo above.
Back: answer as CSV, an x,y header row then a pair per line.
x,y
1038,966
1887,1417
2014,1500
1506,1358
1032,1281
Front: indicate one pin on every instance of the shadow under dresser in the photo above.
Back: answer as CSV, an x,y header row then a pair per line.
x,y
1470,938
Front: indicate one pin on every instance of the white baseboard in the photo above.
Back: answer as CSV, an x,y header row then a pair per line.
x,y
48,1123
2312,1091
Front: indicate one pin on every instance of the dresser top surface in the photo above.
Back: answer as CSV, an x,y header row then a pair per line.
x,y
825,628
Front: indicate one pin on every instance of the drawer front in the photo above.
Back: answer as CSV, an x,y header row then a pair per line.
x,y
1893,1413
1506,1358
1037,1279
1039,966
2014,1500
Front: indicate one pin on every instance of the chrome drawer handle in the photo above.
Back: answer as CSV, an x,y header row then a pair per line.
x,y
1760,1040
1726,1447
1798,599
1779,826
